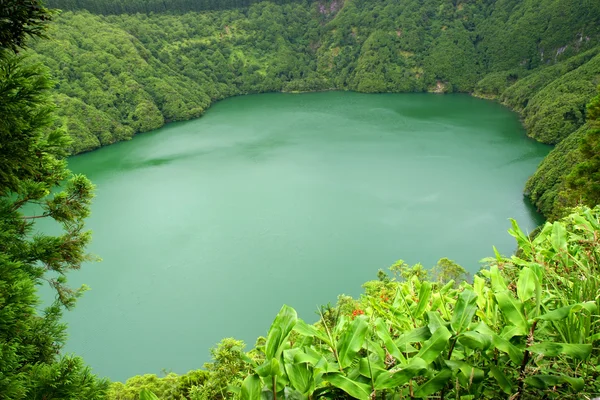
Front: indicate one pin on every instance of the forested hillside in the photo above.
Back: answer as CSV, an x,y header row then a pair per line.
x,y
118,75
151,6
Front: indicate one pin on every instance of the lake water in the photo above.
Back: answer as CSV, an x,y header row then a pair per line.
x,y
207,227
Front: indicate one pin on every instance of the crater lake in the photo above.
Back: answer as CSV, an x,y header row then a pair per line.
x,y
207,227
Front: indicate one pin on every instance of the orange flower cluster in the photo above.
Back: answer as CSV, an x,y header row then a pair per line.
x,y
357,312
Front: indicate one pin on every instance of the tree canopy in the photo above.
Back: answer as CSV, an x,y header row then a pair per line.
x,y
32,165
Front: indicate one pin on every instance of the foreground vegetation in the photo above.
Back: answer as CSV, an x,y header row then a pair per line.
x,y
32,163
122,73
526,328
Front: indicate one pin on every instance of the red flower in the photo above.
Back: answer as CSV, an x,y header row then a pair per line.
x,y
357,312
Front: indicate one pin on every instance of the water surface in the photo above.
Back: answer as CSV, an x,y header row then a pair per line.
x,y
207,227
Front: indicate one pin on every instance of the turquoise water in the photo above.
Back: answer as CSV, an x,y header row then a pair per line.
x,y
207,227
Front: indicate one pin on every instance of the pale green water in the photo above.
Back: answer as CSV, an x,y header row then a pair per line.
x,y
207,227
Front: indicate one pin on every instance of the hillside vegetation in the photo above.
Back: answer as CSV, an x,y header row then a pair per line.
x,y
118,75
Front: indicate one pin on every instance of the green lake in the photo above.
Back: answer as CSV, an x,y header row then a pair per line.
x,y
207,227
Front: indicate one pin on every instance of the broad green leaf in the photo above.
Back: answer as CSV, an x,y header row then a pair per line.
x,y
301,357
512,309
375,347
264,369
591,221
551,349
475,340
251,388
519,261
424,295
547,381
502,380
434,321
542,235
522,239
558,238
469,372
371,366
444,289
300,376
146,394
382,331
496,280
484,329
435,384
401,375
515,355
436,301
510,331
479,289
309,330
279,331
526,285
352,341
355,389
437,343
291,394
416,335
325,366
465,309
563,312
276,367
269,368
289,355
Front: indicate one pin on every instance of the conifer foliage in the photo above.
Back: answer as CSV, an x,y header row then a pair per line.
x,y
32,164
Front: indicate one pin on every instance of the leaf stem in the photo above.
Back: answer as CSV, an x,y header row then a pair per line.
x,y
335,354
526,357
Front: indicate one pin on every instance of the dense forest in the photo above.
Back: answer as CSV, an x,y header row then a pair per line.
x,y
151,6
525,327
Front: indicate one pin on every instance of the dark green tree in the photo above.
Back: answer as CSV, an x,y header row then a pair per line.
x,y
20,19
32,165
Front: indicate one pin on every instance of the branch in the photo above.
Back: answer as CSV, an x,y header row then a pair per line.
x,y
36,216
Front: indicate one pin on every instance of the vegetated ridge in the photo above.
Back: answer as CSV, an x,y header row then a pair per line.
x,y
118,75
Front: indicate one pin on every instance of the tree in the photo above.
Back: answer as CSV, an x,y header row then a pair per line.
x,y
447,270
20,19
32,165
